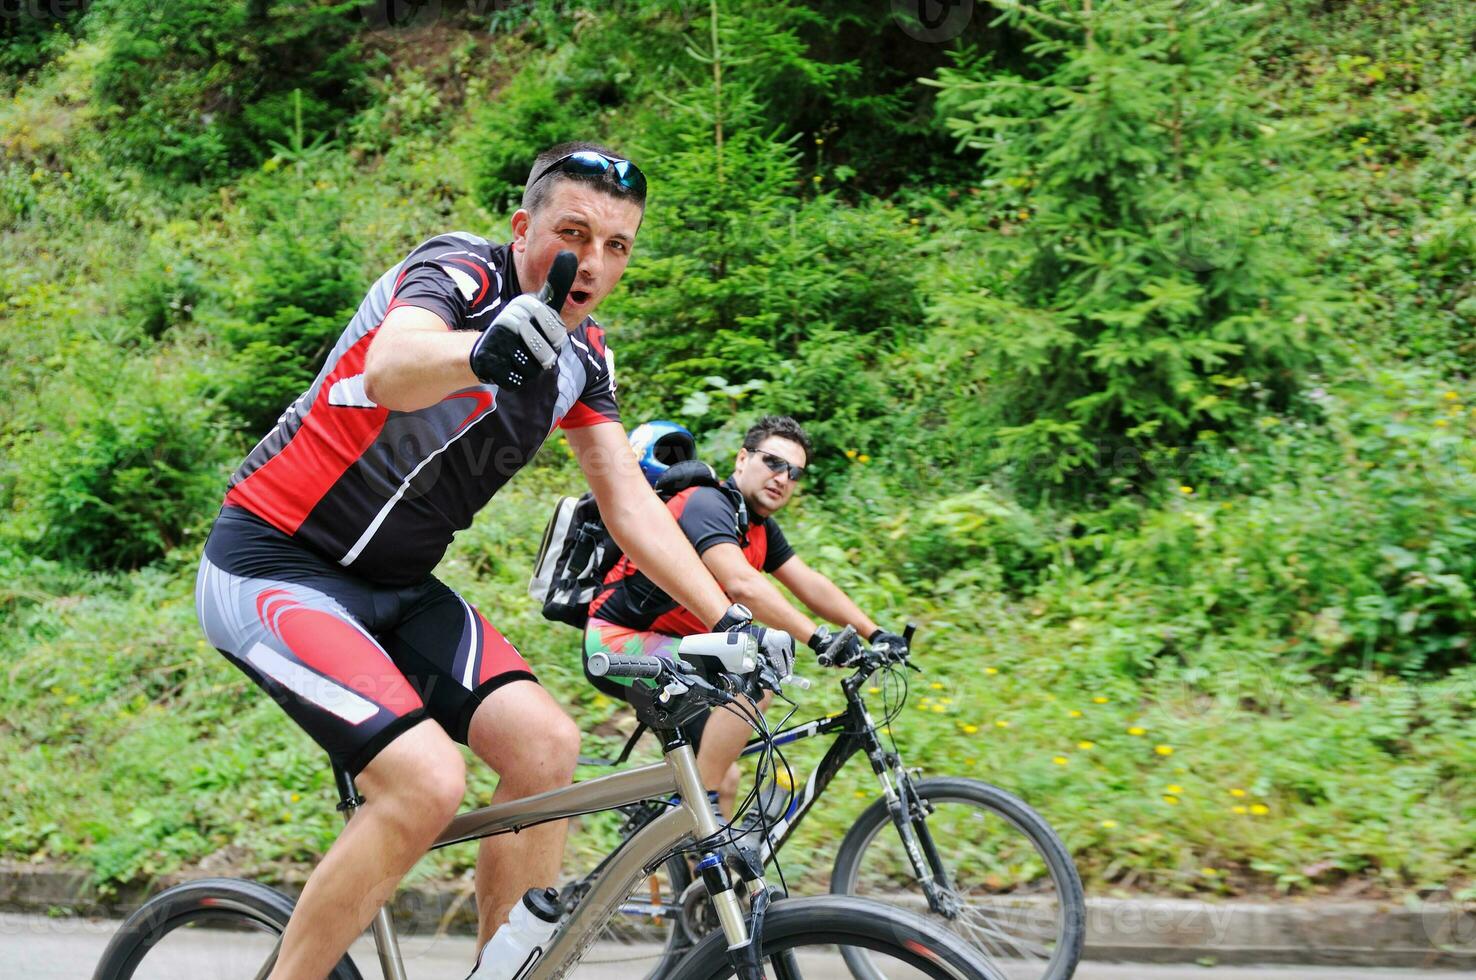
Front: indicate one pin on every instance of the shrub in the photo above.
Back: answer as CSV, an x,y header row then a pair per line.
x,y
1138,270
299,287
196,87
119,486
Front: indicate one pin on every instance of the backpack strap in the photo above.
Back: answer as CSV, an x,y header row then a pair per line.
x,y
695,473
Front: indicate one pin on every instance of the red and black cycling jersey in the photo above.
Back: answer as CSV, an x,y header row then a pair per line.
x,y
383,492
707,517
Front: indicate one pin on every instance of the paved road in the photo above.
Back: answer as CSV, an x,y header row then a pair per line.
x,y
37,948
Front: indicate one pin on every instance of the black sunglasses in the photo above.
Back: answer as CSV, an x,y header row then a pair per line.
x,y
588,163
778,464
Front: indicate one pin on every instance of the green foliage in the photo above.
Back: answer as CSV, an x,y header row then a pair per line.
x,y
806,300
28,42
536,110
194,88
1358,540
298,286
1139,274
131,472
1262,571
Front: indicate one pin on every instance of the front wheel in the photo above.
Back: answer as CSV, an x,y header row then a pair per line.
x,y
800,937
220,928
1011,890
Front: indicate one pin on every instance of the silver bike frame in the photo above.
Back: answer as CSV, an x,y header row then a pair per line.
x,y
637,857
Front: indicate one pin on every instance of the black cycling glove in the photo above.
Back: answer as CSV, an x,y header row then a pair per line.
x,y
890,645
524,339
827,644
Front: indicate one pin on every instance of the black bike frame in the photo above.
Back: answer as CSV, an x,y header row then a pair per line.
x,y
855,732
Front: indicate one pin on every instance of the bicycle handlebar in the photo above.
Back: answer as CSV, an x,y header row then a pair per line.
x,y
614,665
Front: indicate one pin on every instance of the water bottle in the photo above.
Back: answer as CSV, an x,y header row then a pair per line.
x,y
518,944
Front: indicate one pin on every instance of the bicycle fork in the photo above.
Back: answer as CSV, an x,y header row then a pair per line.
x,y
909,813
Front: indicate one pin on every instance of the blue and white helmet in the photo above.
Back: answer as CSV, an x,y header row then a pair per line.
x,y
659,444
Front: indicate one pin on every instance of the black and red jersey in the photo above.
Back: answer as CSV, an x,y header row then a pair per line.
x,y
708,517
383,492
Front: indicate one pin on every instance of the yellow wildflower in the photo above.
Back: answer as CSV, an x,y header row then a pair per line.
x,y
1186,490
939,709
1164,749
970,729
1135,730
1237,809
1209,872
1001,723
1260,809
850,454
1099,700
1074,713
1060,760
936,686
1237,793
1108,824
863,458
1451,396
1171,800
1086,746
991,671
1175,788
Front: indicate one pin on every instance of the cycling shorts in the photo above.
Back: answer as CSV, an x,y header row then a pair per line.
x,y
354,663
601,636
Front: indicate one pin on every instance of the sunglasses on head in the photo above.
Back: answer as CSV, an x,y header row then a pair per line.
x,y
588,163
778,464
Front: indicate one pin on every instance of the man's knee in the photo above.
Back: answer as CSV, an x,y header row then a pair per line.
x,y
523,734
421,775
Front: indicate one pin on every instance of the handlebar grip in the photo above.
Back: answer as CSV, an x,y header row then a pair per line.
x,y
613,665
907,632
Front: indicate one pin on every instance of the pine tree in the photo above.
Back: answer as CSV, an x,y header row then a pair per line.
x,y
1141,285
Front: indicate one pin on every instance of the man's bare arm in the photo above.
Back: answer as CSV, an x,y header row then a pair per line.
x,y
640,522
746,584
822,596
415,360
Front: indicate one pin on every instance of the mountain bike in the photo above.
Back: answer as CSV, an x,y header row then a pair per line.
x,y
973,857
760,933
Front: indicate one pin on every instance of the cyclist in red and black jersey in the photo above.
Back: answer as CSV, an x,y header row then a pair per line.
x,y
316,579
635,616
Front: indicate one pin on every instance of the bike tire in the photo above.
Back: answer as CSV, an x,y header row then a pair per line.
x,y
994,817
825,921
230,902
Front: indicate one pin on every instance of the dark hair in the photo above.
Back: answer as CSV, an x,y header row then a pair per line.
x,y
536,191
778,425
